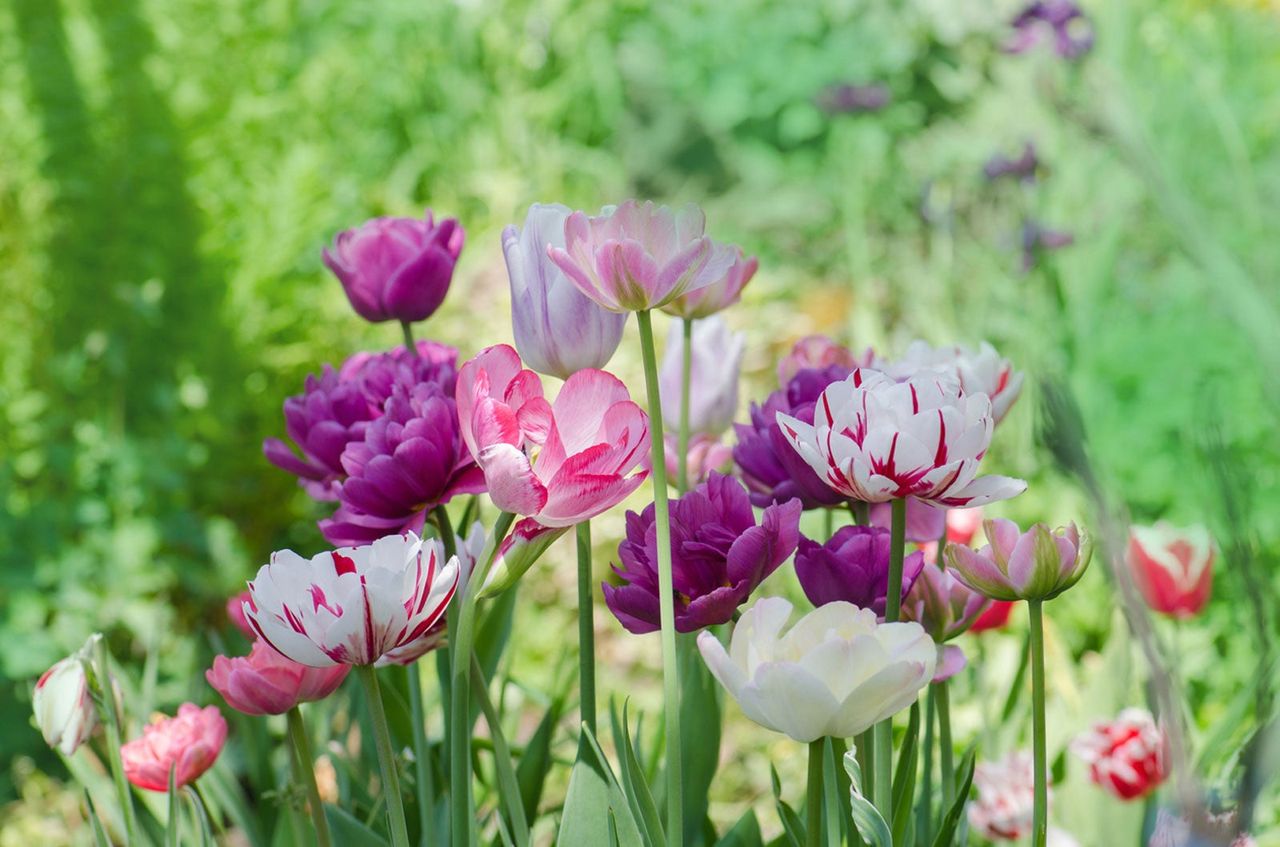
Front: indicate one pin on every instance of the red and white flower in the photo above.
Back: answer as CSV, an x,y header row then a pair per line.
x,y
874,439
353,605
980,371
1006,795
1173,567
63,704
1127,756
560,463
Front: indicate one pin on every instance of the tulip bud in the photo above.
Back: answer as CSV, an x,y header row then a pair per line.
x,y
713,376
63,704
1038,564
1172,567
396,268
558,329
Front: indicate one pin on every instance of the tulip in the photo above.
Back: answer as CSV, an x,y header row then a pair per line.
x,y
185,745
874,440
835,673
558,329
1172,567
770,467
1003,808
706,453
267,683
719,295
942,604
1022,168
978,372
586,444
852,567
713,376
995,617
524,545
963,525
63,703
638,256
925,522
1038,564
1127,756
396,268
848,99
354,605
1060,20
817,352
235,613
377,375
719,556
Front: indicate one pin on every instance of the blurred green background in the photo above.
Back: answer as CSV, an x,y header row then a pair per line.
x,y
172,169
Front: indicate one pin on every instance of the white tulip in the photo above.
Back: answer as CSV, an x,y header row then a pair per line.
x,y
835,673
63,705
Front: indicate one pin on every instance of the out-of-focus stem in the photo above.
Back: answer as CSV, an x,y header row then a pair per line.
x,y
682,439
306,774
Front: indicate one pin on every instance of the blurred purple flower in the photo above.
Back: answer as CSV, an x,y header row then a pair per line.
x,y
848,99
854,567
1022,168
770,466
1061,20
719,556
396,268
1038,240
925,521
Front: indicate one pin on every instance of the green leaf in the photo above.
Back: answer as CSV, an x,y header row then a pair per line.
x,y
595,803
347,829
793,827
836,824
643,808
700,719
866,817
744,833
99,831
964,779
535,764
904,780
494,631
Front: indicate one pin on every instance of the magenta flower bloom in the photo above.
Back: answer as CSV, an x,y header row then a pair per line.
x,y
640,256
396,268
943,605
560,463
266,683
1038,564
558,329
713,376
719,555
771,469
187,745
853,566
719,295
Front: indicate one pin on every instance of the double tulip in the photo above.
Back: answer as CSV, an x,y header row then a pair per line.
x,y
852,567
945,607
1038,564
981,371
1127,756
1002,809
185,746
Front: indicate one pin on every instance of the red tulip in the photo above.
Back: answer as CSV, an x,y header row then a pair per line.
x,y
1128,756
995,617
1173,567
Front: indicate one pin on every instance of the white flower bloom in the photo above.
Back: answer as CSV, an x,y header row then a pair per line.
x,y
835,673
353,605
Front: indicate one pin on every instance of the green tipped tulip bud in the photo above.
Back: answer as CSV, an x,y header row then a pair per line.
x,y
1038,564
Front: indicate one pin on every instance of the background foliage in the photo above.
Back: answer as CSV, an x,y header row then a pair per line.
x,y
172,170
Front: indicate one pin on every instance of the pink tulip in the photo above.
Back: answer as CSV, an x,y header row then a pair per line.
x,y
640,256
1173,567
1038,564
235,613
267,683
720,294
186,745
559,464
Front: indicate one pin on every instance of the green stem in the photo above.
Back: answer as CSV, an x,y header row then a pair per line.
x,y
305,773
1040,809
444,657
409,344
924,809
586,631
441,520
666,593
686,373
386,756
423,781
507,782
943,694
828,523
112,722
892,609
460,687
813,822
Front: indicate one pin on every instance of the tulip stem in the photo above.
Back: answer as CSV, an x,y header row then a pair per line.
x,y
409,344
1040,809
686,374
462,816
813,822
666,592
586,631
423,782
102,671
386,756
943,696
304,770
924,809
892,609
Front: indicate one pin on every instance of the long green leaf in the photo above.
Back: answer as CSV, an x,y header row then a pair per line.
x,y
535,764
700,719
964,779
792,826
347,829
100,838
643,807
594,799
744,833
508,785
834,822
866,817
904,780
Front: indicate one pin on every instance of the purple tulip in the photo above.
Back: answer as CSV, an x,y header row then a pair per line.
x,y
1022,168
1060,20
396,268
854,567
719,556
411,460
714,366
1038,240
558,329
771,468
848,99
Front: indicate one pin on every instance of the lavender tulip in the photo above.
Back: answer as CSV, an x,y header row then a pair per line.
x,y
558,329
719,556
713,376
770,467
719,295
396,268
853,566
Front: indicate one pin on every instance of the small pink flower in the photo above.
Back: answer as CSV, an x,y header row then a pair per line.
x,y
720,294
187,745
1173,567
559,464
267,683
1002,811
707,453
1127,756
817,352
639,256
235,613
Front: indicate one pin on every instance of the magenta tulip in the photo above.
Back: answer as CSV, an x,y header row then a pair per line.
x,y
267,683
